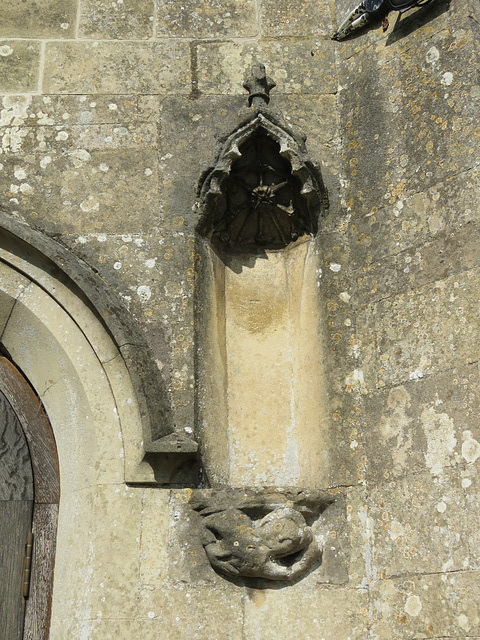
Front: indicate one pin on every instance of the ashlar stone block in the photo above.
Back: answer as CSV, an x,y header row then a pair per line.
x,y
199,19
117,67
79,188
182,610
19,65
296,65
120,20
293,18
310,614
431,606
423,523
420,425
38,18
422,331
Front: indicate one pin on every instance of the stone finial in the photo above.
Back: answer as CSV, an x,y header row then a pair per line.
x,y
258,84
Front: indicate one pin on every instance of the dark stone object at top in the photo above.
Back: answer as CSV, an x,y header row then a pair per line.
x,y
258,84
263,192
370,10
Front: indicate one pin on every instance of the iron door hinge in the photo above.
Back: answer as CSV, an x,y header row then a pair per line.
x,y
27,565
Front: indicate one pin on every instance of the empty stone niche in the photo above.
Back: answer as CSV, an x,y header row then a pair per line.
x,y
262,400
261,388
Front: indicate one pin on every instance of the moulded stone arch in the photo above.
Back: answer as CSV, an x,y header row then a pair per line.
x,y
41,282
94,377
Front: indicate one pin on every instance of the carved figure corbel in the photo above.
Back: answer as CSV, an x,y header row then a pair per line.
x,y
270,534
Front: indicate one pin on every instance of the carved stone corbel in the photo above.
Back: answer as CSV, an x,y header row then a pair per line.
x,y
266,533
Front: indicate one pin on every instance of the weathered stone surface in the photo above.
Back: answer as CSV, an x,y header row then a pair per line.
x,y
421,523
427,607
154,551
111,550
296,65
199,19
389,99
439,211
421,425
74,174
129,19
19,65
116,67
289,18
191,611
38,19
331,613
130,263
422,331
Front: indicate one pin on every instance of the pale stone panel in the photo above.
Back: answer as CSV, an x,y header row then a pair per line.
x,y
116,67
38,18
310,614
222,66
276,383
430,606
199,19
103,554
154,549
185,610
294,18
129,19
19,66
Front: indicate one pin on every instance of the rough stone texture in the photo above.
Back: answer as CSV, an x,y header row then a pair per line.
x,y
297,65
292,18
106,127
38,19
19,65
116,67
199,19
128,19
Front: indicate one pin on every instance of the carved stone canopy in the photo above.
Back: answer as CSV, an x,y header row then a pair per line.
x,y
261,533
263,191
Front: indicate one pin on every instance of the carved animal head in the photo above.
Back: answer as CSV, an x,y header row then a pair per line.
x,y
260,537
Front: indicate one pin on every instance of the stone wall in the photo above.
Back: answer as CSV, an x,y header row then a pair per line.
x,y
110,114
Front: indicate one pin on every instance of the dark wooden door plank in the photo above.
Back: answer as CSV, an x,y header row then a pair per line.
x,y
15,522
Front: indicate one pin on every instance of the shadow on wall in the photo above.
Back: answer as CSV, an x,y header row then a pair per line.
x,y
408,23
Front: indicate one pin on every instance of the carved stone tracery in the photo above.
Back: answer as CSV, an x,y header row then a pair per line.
x,y
263,190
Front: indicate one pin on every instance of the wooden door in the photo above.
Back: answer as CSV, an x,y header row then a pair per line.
x,y
16,509
29,496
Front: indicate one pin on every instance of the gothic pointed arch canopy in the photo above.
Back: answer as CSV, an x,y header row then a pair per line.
x,y
262,191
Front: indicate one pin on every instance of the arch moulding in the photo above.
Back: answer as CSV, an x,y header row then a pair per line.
x,y
71,337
